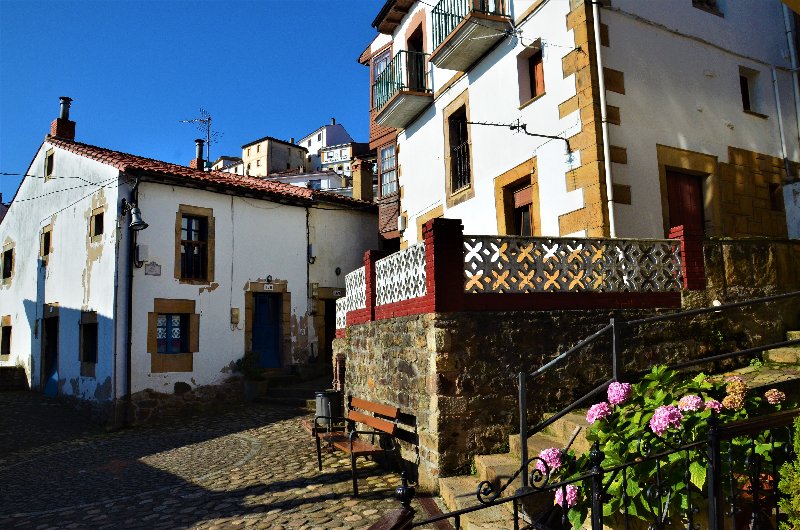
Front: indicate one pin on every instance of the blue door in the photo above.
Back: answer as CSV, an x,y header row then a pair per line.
x,y
267,329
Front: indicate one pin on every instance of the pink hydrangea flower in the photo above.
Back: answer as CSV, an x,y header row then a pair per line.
x,y
618,393
714,405
690,403
572,496
598,411
553,458
774,396
664,417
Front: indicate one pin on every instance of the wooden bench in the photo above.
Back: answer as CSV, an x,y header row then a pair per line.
x,y
381,418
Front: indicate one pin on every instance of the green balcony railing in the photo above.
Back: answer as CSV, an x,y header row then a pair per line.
x,y
406,71
448,14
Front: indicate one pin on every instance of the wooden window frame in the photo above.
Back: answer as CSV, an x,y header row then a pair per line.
x,y
382,170
195,211
531,85
49,164
46,244
94,235
524,174
173,362
453,196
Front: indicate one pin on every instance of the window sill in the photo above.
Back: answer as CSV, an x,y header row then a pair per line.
x,y
461,195
194,282
523,105
5,358
756,114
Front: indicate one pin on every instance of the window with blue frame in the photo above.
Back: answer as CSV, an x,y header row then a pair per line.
x,y
172,333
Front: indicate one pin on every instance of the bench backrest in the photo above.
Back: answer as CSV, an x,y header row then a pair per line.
x,y
380,424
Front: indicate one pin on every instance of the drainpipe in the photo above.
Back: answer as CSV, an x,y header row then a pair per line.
x,y
780,120
604,121
793,56
114,420
129,353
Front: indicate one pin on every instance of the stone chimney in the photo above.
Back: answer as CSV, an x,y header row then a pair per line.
x,y
333,121
197,162
62,127
362,179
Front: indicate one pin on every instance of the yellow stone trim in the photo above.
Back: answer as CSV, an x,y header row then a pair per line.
x,y
427,216
503,201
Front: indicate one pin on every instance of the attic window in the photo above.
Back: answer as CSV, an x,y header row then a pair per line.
x,y
48,165
96,224
8,263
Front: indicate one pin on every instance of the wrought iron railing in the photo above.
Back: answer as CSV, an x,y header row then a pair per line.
x,y
495,264
408,70
460,166
448,14
400,276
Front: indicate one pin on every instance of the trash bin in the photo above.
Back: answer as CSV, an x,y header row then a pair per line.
x,y
329,403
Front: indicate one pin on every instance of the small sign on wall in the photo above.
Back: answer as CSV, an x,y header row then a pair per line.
x,y
152,268
337,292
268,287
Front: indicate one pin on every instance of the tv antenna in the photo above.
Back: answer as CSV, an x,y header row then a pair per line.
x,y
204,125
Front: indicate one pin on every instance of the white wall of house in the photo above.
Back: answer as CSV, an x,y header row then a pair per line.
x,y
79,275
325,136
682,90
791,197
494,97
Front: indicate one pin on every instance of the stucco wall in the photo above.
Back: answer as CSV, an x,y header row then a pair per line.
x,y
79,274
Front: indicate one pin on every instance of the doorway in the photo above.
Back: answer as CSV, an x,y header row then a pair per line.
x,y
267,329
50,356
416,60
685,199
326,356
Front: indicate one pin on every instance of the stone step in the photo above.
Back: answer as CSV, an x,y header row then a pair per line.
x,y
786,355
459,492
498,469
556,435
793,335
13,378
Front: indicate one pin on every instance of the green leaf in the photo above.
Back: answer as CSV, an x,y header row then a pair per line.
x,y
575,518
697,474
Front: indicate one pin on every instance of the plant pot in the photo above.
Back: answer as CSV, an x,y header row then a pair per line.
x,y
252,389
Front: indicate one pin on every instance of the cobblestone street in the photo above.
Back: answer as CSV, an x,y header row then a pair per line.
x,y
251,467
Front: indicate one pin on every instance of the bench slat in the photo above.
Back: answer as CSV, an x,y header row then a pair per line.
x,y
376,423
342,442
378,408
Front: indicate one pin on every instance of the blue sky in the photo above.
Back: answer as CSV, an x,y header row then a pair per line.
x,y
135,68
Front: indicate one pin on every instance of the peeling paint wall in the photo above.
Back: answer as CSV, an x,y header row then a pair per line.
x,y
78,275
253,240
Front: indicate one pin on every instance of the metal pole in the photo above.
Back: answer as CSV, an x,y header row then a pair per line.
x,y
615,347
596,457
714,477
523,428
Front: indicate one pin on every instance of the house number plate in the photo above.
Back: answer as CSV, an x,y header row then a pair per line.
x,y
268,287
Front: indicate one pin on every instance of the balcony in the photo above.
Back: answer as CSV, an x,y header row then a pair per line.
x,y
464,30
402,90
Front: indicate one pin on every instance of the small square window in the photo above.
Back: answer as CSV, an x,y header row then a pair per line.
x,y
530,70
319,137
8,263
5,340
258,148
750,89
88,337
97,224
46,243
172,333
258,163
48,165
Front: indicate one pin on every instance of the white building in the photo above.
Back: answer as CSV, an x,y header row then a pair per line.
x,y
507,115
96,310
339,158
325,136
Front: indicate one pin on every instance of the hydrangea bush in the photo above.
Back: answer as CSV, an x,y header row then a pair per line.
x,y
663,410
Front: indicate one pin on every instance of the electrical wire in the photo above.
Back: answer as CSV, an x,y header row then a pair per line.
x,y
101,184
109,182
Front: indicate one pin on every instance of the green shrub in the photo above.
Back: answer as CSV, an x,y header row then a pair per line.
x,y
789,485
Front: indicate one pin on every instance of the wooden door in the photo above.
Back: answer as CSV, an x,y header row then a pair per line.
x,y
267,329
685,197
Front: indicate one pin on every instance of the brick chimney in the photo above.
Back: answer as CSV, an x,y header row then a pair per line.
x,y
197,162
62,127
362,179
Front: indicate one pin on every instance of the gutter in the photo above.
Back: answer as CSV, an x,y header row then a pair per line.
x,y
793,56
604,121
780,121
129,343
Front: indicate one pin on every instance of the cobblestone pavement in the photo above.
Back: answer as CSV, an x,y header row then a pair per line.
x,y
251,467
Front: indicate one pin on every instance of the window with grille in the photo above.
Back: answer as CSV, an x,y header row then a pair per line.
x,y
172,333
388,174
194,248
459,149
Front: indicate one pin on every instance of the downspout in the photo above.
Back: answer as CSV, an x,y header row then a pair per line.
x,y
604,121
790,37
129,353
308,280
780,120
114,420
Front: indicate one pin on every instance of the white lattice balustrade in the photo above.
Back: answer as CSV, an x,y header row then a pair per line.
x,y
525,265
400,276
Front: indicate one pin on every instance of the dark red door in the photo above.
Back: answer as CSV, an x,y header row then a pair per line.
x,y
685,196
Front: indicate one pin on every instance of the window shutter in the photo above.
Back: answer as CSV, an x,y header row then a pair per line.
x,y
152,333
194,332
539,74
523,197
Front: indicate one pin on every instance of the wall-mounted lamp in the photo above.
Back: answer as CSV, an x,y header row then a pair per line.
x,y
269,278
311,257
137,223
338,271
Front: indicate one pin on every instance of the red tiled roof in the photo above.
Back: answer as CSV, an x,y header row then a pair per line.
x,y
196,177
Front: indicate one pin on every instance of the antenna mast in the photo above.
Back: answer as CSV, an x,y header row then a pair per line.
x,y
204,126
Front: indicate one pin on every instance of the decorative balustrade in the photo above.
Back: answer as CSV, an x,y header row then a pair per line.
x,y
526,265
341,312
407,70
400,276
448,14
356,286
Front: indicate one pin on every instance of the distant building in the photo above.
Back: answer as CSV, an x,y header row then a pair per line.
x,y
270,155
225,162
325,136
339,158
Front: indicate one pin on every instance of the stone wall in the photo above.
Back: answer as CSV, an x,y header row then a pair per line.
x,y
455,374
149,405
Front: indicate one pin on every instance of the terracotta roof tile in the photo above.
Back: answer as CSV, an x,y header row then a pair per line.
x,y
128,162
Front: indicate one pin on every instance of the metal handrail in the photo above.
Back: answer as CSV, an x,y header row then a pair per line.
x,y
408,70
448,14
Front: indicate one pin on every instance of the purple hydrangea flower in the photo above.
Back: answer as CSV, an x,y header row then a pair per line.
x,y
572,496
598,411
618,393
714,405
774,396
552,457
690,402
664,417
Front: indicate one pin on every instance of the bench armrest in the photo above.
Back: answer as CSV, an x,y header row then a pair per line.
x,y
332,420
354,433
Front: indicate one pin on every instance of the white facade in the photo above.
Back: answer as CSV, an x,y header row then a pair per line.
x,y
325,136
681,68
260,244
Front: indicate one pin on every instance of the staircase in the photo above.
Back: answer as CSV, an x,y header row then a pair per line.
x,y
13,378
289,391
780,369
